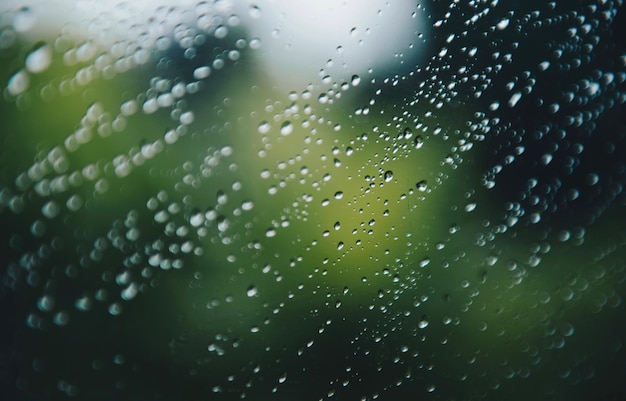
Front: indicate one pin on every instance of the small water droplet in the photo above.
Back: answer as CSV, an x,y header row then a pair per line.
x,y
514,99
187,118
255,11
286,128
46,303
51,209
221,32
39,59
264,127
503,24
418,142
24,20
470,207
61,318
196,219
202,72
18,83
252,291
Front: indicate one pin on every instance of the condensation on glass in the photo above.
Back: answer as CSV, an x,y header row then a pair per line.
x,y
312,200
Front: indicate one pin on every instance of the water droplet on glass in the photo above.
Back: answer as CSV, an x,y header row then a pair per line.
x,y
51,209
264,127
196,219
503,23
252,291
255,11
286,128
202,72
18,83
470,207
514,99
39,59
24,20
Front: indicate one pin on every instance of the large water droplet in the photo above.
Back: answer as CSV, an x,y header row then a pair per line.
x,y
252,291
18,83
286,128
39,59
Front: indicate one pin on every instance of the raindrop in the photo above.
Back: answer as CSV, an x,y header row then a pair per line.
x,y
196,219
470,207
18,83
46,303
252,291
115,309
150,106
61,318
39,59
515,97
24,20
503,24
186,118
51,209
264,127
202,72
286,128
221,32
255,11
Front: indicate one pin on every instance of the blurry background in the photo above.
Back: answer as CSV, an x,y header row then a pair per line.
x,y
313,200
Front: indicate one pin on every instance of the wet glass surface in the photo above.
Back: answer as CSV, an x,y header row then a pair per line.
x,y
331,200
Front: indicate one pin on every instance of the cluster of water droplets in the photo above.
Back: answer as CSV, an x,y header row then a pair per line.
x,y
356,211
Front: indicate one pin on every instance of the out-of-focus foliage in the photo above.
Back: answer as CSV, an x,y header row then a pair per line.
x,y
318,200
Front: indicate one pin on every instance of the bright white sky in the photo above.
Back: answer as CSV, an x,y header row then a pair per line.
x,y
298,36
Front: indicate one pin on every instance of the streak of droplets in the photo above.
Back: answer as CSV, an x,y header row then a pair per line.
x,y
535,90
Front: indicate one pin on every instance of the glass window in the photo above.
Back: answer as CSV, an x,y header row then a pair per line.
x,y
312,200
